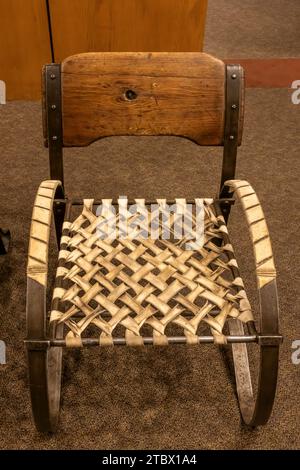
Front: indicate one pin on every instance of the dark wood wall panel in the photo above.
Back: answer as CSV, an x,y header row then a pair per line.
x,y
126,25
24,46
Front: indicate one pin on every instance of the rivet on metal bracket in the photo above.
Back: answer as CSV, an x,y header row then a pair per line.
x,y
231,137
54,137
53,106
52,76
233,76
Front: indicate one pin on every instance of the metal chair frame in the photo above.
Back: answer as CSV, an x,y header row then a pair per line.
x,y
45,351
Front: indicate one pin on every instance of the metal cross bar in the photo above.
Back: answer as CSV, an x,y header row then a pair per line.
x,y
43,344
79,202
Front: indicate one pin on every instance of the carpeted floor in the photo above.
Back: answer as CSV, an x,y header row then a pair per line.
x,y
174,397
252,28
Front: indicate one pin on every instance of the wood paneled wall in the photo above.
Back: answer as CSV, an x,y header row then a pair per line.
x,y
126,25
89,26
24,47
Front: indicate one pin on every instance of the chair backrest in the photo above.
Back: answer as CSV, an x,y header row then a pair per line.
x,y
94,95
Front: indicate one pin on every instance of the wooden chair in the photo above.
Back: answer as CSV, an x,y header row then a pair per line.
x,y
141,291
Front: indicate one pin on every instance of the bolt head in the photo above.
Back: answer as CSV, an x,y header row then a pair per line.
x,y
234,106
54,137
231,137
233,76
52,76
53,106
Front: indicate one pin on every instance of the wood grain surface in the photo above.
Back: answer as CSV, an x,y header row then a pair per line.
x,y
25,47
126,25
143,94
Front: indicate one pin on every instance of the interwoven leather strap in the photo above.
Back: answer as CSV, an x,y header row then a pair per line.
x,y
37,264
265,267
139,282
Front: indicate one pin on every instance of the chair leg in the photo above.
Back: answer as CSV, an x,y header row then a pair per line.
x,y
45,385
255,411
44,362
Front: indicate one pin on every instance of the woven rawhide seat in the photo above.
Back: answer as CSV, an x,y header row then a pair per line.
x,y
138,282
147,272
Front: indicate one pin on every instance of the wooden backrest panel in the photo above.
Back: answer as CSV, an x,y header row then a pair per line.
x,y
112,93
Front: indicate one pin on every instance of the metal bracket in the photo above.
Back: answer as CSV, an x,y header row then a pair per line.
x,y
37,344
231,130
225,201
269,340
232,120
54,120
